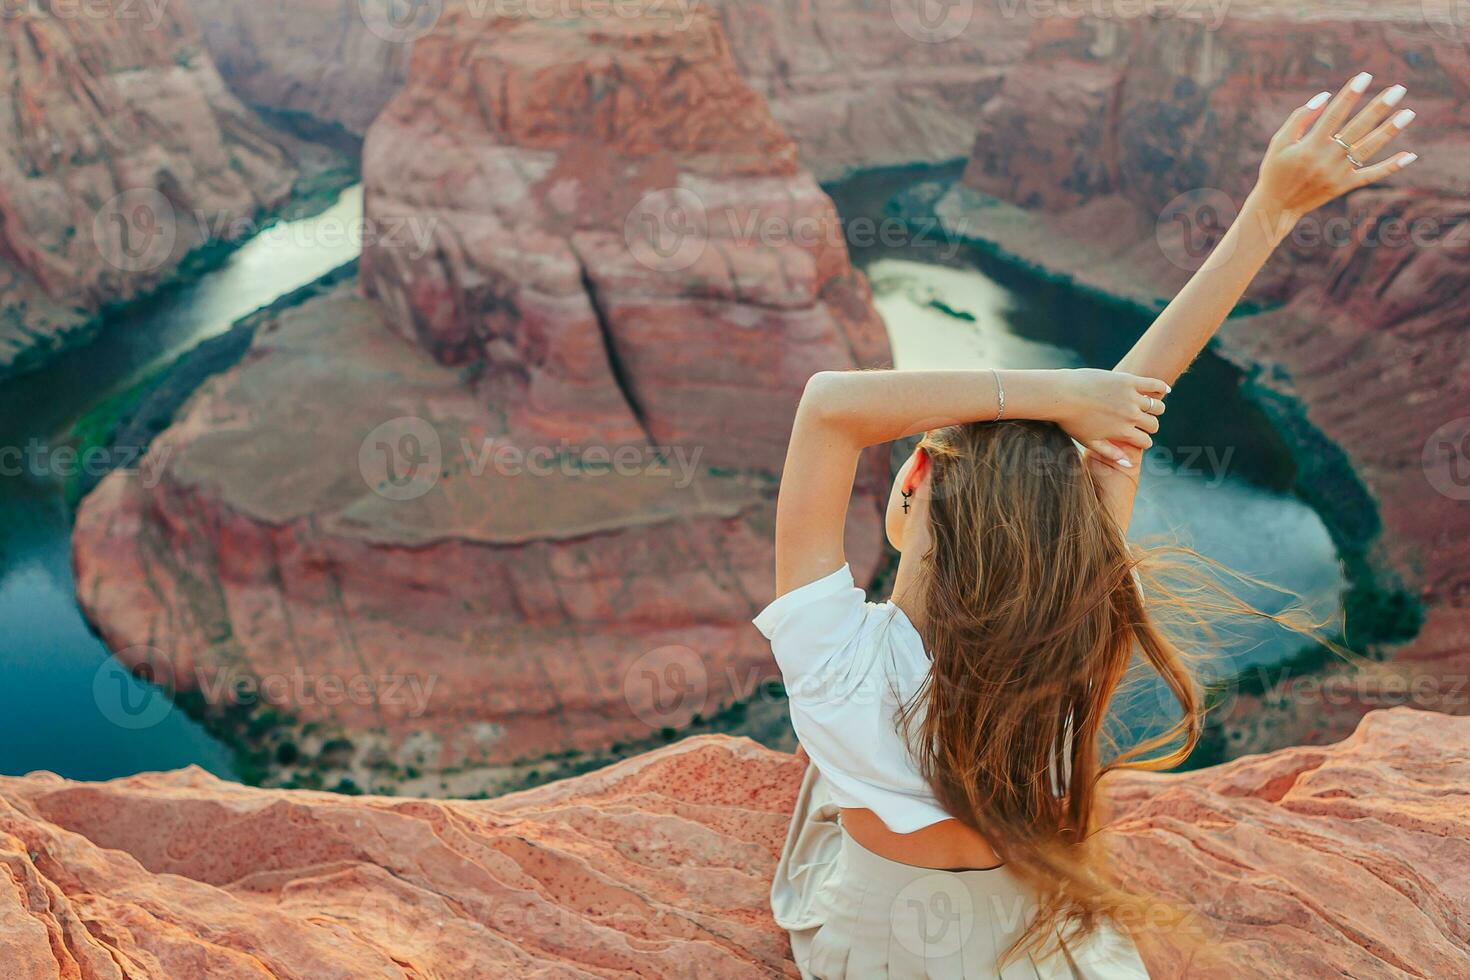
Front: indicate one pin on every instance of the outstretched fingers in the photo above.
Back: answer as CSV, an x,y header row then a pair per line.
x,y
1375,112
1379,171
1300,121
1335,116
1371,145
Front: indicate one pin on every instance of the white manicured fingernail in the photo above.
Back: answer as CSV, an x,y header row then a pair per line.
x,y
1360,82
1319,100
1407,159
1168,388
1403,118
1393,95
1127,464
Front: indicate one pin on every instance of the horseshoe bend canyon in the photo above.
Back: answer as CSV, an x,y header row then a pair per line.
x,y
495,505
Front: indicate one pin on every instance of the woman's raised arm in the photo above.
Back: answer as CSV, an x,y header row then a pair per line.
x,y
1319,154
843,412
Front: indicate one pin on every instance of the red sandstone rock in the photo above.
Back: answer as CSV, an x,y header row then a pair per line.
x,y
597,243
1345,861
121,150
855,84
542,604
1105,123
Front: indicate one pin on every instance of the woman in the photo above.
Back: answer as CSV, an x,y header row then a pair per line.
x,y
944,828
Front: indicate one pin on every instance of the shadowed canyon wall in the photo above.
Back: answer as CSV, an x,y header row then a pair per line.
x,y
336,61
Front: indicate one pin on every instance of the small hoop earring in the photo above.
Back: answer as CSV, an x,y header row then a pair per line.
x,y
906,495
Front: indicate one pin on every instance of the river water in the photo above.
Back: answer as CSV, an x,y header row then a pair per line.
x,y
1218,480
64,704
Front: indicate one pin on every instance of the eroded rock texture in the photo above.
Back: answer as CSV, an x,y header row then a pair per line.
x,y
120,151
1340,861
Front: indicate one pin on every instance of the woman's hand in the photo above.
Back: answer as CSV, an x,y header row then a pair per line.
x,y
1101,408
1305,167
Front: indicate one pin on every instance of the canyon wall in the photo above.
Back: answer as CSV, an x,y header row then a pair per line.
x,y
1344,861
336,61
862,85
518,502
855,84
121,151
1116,153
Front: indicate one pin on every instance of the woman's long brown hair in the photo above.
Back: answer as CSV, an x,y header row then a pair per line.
x,y
1033,610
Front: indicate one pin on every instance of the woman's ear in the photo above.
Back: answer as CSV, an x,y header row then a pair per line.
x,y
918,471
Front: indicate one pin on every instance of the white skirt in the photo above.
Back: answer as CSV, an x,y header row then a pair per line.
x,y
853,915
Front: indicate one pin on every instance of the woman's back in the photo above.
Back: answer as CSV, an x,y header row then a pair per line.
x,y
849,667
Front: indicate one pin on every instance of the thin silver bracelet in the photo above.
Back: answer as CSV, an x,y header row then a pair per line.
x,y
1000,396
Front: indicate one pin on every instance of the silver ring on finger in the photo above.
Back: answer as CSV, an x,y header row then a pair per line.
x,y
1150,404
1337,138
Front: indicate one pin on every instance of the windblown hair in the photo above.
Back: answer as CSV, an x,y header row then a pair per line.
x,y
1033,610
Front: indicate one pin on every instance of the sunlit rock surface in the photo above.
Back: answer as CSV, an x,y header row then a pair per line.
x,y
1343,861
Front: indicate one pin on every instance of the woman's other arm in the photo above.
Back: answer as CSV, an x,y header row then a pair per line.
x,y
843,412
1304,168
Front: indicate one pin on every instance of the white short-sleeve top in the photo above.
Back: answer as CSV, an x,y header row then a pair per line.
x,y
848,666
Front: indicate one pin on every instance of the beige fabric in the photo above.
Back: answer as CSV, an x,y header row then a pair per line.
x,y
853,915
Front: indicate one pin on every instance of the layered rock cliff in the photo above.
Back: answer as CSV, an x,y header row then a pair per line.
x,y
855,84
120,152
1115,154
1344,861
519,503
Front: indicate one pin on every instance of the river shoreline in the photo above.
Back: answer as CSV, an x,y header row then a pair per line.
x,y
74,708
310,196
256,738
